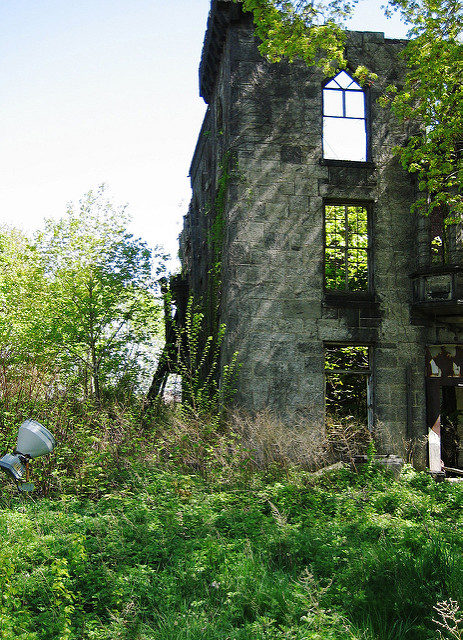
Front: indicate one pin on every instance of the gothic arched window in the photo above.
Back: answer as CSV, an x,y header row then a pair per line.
x,y
344,120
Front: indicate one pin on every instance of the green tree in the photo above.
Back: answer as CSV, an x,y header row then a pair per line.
x,y
431,94
27,353
432,97
104,312
304,29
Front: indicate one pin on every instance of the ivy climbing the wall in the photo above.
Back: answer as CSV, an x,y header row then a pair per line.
x,y
216,238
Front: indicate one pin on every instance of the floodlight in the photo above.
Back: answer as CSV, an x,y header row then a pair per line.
x,y
34,440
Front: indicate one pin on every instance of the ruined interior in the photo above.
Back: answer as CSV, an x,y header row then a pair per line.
x,y
300,238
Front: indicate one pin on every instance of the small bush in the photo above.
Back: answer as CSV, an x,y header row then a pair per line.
x,y
189,529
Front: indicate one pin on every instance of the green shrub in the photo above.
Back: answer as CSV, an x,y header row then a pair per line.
x,y
168,554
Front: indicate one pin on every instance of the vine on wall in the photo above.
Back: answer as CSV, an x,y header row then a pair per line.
x,y
216,237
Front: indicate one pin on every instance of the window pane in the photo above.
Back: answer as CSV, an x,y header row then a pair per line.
x,y
344,139
357,268
344,80
357,227
335,226
358,241
335,212
357,219
332,103
335,270
335,239
355,104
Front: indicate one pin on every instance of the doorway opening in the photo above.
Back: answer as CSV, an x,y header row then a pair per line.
x,y
451,412
348,388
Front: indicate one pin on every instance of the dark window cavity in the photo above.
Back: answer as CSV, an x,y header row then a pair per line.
x,y
344,120
439,237
346,248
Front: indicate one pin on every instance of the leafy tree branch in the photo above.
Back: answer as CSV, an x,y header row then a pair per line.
x,y
432,92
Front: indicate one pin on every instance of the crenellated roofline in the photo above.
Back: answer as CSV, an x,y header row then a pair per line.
x,y
221,15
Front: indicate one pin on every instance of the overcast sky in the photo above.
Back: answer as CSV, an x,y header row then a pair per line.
x,y
107,91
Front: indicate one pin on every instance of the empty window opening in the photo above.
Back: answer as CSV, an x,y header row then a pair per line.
x,y
346,248
348,397
438,253
439,237
344,120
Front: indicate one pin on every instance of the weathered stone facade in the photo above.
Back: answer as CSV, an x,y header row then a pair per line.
x,y
260,185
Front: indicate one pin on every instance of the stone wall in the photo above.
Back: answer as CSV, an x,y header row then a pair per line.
x,y
268,118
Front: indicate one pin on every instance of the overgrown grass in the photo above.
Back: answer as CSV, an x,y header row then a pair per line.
x,y
168,534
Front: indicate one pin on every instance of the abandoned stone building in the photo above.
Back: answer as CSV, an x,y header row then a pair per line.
x,y
336,298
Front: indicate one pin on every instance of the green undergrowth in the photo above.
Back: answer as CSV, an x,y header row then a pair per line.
x,y
283,555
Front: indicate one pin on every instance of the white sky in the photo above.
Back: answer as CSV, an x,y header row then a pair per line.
x,y
107,91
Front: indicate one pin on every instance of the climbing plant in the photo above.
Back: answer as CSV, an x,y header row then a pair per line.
x,y
207,386
216,237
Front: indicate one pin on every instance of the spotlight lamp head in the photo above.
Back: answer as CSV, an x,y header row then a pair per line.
x,y
34,440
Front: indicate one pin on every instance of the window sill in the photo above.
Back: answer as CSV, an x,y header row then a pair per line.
x,y
347,163
341,298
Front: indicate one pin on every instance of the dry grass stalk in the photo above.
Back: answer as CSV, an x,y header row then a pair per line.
x,y
257,441
451,619
271,440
